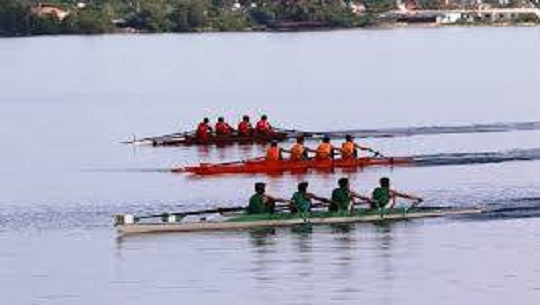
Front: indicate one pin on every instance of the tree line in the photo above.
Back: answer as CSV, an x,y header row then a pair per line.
x,y
104,16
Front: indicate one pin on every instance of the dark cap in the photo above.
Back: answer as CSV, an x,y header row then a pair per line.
x,y
260,186
343,182
385,182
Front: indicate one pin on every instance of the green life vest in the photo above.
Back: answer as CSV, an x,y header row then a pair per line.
x,y
341,198
381,197
256,205
301,203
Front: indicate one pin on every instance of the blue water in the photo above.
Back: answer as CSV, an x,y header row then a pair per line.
x,y
66,103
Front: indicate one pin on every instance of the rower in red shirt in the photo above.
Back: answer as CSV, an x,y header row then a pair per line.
x,y
204,130
223,128
244,128
263,126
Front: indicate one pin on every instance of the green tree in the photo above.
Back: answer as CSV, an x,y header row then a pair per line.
x,y
14,18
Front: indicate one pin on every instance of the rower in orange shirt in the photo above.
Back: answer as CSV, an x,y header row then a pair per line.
x,y
274,152
222,127
349,149
299,152
204,130
244,128
325,151
263,126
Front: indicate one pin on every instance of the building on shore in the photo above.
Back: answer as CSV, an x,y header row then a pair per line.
x,y
50,10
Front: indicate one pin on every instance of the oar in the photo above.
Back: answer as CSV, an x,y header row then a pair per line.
x,y
198,212
308,134
170,135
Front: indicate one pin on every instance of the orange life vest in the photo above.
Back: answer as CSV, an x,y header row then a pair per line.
x,y
223,128
273,154
297,152
203,131
324,151
244,128
263,126
348,150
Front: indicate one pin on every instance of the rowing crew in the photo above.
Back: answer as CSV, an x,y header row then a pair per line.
x,y
222,128
325,150
343,199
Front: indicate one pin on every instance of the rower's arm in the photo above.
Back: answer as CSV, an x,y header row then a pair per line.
x,y
320,199
363,147
361,197
406,196
279,200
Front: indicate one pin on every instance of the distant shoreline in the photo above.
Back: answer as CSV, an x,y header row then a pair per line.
x,y
388,26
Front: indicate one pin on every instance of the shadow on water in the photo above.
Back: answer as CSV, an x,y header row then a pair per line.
x,y
477,157
436,130
513,208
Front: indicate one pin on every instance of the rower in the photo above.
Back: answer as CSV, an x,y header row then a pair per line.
x,y
343,197
349,149
302,200
299,151
244,128
385,197
261,203
325,151
204,130
274,152
223,128
263,126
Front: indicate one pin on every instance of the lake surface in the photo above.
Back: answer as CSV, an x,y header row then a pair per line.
x,y
66,103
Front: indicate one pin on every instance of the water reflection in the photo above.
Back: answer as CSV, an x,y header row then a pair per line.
x,y
262,239
203,151
384,240
302,235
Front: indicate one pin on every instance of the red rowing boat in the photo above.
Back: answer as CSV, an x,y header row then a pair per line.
x,y
269,167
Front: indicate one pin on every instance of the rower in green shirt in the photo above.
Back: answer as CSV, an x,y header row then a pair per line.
x,y
261,203
385,197
343,197
302,201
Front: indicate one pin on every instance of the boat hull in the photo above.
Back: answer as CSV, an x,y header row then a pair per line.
x,y
220,140
140,228
269,167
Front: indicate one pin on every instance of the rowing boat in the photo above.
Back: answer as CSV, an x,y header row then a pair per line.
x,y
269,167
186,139
129,225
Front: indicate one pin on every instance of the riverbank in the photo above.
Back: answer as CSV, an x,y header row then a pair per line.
x,y
23,18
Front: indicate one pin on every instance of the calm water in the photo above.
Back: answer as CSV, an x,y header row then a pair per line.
x,y
67,102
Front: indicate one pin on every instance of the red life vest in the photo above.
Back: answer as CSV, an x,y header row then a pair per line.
x,y
245,129
223,128
263,126
204,131
273,154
